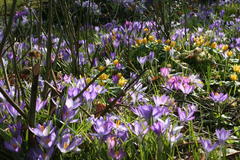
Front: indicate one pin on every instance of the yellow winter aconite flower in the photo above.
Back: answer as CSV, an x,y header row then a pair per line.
x,y
173,44
119,75
214,45
234,77
122,81
103,76
88,80
199,41
146,29
167,48
151,38
101,68
139,41
145,40
158,41
168,41
225,47
236,68
115,62
229,53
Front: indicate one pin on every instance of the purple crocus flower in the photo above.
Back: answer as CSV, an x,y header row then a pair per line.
x,y
144,111
67,78
115,79
111,141
207,145
15,129
159,112
174,134
165,71
14,144
70,104
161,126
68,142
93,90
183,115
73,91
102,127
116,154
142,60
39,154
162,100
218,97
48,141
91,48
121,130
40,104
139,128
68,114
151,56
222,135
186,88
43,130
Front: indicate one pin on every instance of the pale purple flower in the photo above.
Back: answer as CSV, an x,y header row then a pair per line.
x,y
43,130
71,104
139,128
39,154
14,144
207,145
69,142
161,126
184,116
121,131
162,100
186,89
144,111
15,129
165,71
111,141
73,91
68,114
48,141
116,154
218,97
142,60
91,48
222,135
40,104
174,134
151,56
102,127
67,78
159,112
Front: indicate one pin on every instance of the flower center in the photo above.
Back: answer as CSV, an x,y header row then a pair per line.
x,y
42,128
65,145
14,146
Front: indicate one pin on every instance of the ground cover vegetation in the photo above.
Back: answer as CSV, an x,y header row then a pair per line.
x,y
120,79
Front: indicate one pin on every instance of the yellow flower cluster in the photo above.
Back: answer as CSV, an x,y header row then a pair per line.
x,y
225,47
104,76
214,45
169,46
116,62
236,68
233,77
199,41
101,68
229,53
122,81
